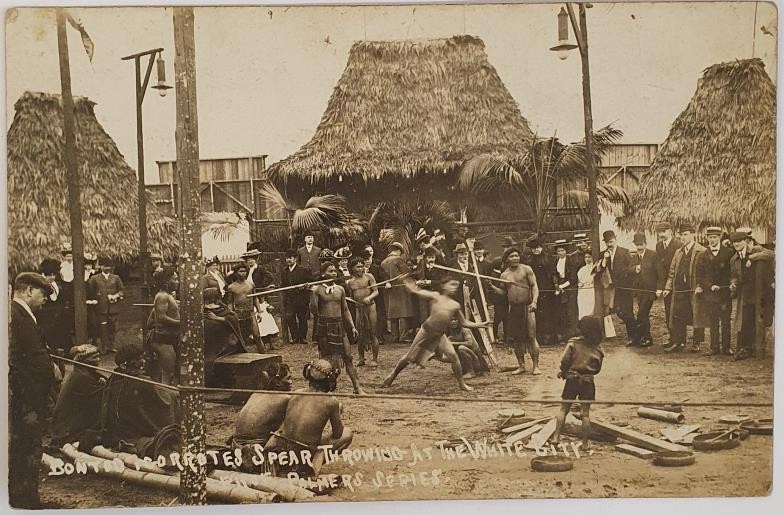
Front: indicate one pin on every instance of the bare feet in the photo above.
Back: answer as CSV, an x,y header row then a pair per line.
x,y
518,371
466,388
360,391
373,363
536,371
387,382
468,375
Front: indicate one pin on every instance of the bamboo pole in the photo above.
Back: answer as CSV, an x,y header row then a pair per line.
x,y
72,173
292,287
486,332
193,486
223,491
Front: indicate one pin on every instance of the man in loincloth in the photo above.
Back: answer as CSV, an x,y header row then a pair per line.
x,y
238,301
431,340
522,294
328,304
363,308
305,420
471,358
262,414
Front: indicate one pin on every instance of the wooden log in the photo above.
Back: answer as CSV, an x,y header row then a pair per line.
x,y
637,438
524,425
544,434
635,451
50,462
662,415
218,490
523,434
676,434
129,460
288,490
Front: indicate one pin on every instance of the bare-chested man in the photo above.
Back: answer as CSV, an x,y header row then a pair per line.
x,y
431,340
239,302
359,289
328,304
307,417
522,294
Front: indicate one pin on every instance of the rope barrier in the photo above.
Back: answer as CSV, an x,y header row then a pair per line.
x,y
429,398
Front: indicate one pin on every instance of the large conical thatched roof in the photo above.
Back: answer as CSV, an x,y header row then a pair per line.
x,y
406,107
718,164
38,220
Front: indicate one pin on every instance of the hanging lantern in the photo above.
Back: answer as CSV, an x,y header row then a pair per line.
x,y
563,46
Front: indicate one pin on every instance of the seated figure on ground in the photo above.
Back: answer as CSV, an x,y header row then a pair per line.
x,y
471,358
138,417
78,408
305,421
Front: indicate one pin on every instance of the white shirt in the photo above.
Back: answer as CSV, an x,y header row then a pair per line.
x,y
667,243
27,308
105,276
715,250
687,248
560,266
309,248
55,293
221,282
463,266
66,271
292,267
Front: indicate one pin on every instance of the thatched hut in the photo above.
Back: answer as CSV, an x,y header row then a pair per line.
x,y
403,116
38,219
718,164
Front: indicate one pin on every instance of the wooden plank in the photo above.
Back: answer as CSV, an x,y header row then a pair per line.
x,y
544,434
676,434
524,425
634,451
523,434
637,438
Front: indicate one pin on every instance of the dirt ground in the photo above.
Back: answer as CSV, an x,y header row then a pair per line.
x,y
628,374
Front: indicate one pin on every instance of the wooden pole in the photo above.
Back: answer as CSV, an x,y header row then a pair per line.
x,y
193,490
72,174
581,34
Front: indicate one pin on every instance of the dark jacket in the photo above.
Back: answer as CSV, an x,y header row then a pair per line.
x,y
298,297
618,267
648,276
310,261
101,287
664,260
715,271
30,369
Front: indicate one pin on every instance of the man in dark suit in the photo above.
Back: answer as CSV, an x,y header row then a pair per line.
x,y
546,315
107,290
564,274
666,246
297,301
309,256
713,278
687,307
617,261
644,278
30,378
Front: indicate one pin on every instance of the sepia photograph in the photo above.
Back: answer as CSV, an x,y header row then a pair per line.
x,y
390,252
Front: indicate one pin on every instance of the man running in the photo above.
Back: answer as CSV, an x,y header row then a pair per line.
x,y
431,340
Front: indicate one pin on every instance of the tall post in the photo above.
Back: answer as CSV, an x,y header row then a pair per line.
x,y
193,486
143,253
72,174
581,34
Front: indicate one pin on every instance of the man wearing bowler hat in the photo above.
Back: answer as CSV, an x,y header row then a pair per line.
x,y
688,307
614,267
644,279
666,245
713,279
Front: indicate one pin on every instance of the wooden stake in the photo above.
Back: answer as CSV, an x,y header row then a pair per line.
x,y
636,438
193,489
74,194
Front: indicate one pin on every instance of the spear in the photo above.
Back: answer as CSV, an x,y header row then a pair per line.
x,y
292,287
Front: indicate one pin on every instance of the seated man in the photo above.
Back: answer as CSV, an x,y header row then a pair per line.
x,y
222,334
78,408
262,414
471,358
138,417
307,417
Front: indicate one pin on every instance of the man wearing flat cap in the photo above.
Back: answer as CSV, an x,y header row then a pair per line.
x,y
666,245
30,379
613,268
688,305
747,263
713,279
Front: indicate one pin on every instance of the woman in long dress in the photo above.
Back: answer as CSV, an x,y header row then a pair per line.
x,y
585,291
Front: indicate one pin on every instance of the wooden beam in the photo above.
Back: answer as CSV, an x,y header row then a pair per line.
x,y
544,434
634,451
524,425
636,438
523,434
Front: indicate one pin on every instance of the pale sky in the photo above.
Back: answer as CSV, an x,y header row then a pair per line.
x,y
264,74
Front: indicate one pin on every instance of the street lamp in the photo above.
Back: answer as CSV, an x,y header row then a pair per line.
x,y
563,47
141,88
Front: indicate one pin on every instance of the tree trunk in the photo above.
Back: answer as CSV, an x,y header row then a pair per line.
x,y
193,488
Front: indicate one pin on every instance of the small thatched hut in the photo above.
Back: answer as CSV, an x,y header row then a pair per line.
x,y
718,164
38,220
403,116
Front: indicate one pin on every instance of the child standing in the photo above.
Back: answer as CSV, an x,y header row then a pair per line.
x,y
581,361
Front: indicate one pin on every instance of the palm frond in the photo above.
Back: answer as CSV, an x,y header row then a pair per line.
x,y
270,194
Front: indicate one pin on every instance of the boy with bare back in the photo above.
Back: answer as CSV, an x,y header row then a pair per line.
x,y
522,294
431,340
307,417
239,302
364,306
328,304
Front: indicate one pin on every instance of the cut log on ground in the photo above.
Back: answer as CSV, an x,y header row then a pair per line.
x,y
218,490
544,434
525,433
662,415
635,451
676,435
637,438
524,425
